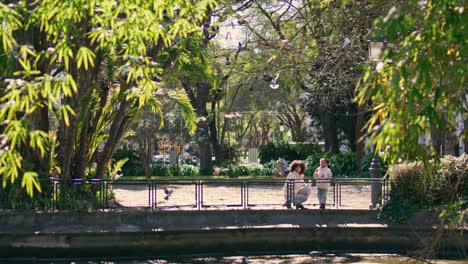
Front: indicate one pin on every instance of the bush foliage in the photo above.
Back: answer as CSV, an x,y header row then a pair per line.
x,y
343,165
411,189
282,149
133,166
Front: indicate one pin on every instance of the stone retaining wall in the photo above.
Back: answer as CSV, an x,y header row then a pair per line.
x,y
230,232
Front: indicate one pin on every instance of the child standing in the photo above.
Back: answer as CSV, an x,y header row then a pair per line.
x,y
323,175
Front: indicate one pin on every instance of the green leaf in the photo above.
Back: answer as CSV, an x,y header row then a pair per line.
x,y
85,56
30,182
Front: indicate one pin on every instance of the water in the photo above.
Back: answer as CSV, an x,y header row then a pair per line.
x,y
314,257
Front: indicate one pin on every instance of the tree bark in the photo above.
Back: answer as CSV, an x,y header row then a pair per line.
x,y
330,131
199,102
117,129
145,152
70,161
82,158
359,133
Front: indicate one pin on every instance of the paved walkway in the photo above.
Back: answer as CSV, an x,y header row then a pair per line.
x,y
224,196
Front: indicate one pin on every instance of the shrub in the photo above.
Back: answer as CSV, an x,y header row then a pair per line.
x,y
451,180
13,196
343,164
275,150
161,170
78,196
240,171
133,166
267,169
175,170
206,171
258,171
189,170
366,161
410,182
282,149
412,190
407,192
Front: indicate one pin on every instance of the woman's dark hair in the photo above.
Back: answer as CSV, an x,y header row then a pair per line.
x,y
296,163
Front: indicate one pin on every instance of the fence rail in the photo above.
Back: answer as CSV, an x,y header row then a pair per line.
x,y
189,194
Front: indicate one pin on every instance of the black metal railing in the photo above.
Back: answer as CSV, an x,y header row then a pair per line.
x,y
190,194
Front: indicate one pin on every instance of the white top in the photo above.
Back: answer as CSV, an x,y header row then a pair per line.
x,y
323,175
298,183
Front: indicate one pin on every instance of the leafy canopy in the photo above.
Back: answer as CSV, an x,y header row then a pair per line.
x,y
424,86
76,32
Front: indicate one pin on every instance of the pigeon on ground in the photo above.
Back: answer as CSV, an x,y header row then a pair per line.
x,y
244,261
168,193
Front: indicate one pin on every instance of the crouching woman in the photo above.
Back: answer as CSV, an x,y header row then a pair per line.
x,y
295,189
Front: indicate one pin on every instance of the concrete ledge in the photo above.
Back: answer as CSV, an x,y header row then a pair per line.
x,y
234,241
149,233
72,222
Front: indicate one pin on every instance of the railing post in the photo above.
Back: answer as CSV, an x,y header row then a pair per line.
x,y
150,195
54,194
335,195
105,202
198,194
375,172
244,197
101,194
291,191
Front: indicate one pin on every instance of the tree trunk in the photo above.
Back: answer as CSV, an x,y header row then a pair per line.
x,y
145,149
66,139
330,132
199,102
146,154
67,134
359,133
215,144
205,156
118,127
82,158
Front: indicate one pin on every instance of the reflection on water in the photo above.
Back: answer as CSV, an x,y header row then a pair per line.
x,y
313,257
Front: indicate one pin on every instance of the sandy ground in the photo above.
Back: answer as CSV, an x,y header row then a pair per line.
x,y
230,196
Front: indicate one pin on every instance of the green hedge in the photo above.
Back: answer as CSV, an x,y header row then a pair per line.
x,y
282,149
194,171
133,166
67,196
342,165
412,189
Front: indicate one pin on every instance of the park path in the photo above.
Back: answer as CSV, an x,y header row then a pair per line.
x,y
223,196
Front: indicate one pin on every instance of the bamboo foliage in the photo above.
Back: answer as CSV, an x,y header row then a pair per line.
x,y
56,50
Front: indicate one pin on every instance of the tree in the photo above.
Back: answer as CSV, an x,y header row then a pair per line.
x,y
303,50
424,86
92,64
292,116
145,135
204,83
